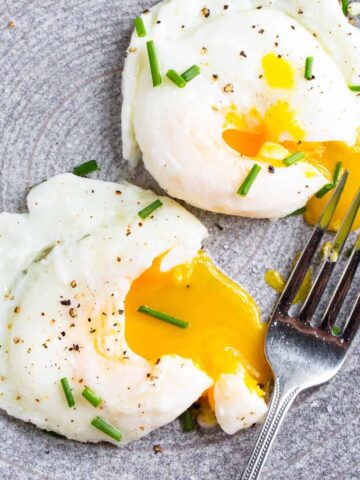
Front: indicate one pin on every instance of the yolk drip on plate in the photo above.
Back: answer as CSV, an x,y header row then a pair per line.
x,y
225,327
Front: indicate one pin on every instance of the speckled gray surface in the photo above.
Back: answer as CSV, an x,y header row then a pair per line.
x,y
60,71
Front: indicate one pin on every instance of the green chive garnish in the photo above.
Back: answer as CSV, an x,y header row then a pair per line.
x,y
293,158
163,316
176,78
67,392
308,68
337,173
140,27
336,330
345,6
85,168
187,421
324,190
191,73
105,427
145,212
91,397
154,63
299,211
249,180
354,88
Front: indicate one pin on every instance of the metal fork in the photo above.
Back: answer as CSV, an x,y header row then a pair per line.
x,y
302,355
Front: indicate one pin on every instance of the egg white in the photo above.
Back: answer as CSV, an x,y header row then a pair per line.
x,y
66,268
178,132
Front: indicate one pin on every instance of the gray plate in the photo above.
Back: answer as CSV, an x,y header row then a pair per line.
x,y
60,69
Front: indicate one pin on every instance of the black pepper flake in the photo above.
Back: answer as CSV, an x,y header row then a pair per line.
x,y
93,330
226,7
157,449
63,334
271,169
293,27
65,302
120,312
219,226
261,31
229,88
215,76
117,192
158,21
206,12
243,54
158,361
146,11
75,347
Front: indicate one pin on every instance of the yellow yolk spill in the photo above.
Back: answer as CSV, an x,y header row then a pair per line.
x,y
327,156
276,281
225,328
251,135
278,72
252,130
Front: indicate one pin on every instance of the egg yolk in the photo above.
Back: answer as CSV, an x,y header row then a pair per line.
x,y
225,329
252,134
278,72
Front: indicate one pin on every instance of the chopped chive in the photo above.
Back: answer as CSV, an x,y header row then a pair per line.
x,y
163,316
293,158
154,63
145,212
85,168
308,68
67,392
324,190
105,427
336,330
354,88
140,27
187,421
91,397
337,172
299,211
249,180
191,73
345,6
176,78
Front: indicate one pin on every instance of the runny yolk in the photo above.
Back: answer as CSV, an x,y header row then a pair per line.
x,y
225,328
327,156
248,134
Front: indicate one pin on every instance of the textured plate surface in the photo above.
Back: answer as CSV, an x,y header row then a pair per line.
x,y
60,73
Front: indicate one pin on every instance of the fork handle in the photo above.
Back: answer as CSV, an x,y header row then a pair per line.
x,y
281,400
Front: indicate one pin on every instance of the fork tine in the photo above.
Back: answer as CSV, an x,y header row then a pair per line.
x,y
342,289
328,265
353,323
306,256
